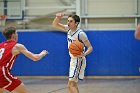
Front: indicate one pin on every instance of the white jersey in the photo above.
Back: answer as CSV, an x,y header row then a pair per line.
x,y
77,65
79,35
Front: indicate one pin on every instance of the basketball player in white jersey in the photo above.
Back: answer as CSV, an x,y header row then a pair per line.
x,y
77,63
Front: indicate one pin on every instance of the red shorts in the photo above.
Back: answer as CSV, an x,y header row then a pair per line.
x,y
7,80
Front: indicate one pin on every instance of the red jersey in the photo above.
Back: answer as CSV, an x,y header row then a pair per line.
x,y
7,80
6,58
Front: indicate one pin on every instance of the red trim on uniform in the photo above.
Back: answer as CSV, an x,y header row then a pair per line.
x,y
7,80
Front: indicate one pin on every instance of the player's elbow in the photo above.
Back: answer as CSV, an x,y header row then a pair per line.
x,y
91,48
36,58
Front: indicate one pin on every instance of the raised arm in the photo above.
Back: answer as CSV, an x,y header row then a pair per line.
x,y
19,48
56,22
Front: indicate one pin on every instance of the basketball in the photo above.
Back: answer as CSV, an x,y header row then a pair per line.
x,y
76,48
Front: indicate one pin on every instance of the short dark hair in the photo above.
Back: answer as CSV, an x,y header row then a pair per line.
x,y
75,17
8,31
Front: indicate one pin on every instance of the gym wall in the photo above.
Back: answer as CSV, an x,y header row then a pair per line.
x,y
115,53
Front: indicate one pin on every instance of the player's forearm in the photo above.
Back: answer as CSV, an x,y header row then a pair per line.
x,y
56,22
89,50
37,57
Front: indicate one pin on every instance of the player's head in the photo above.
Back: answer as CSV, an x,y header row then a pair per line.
x,y
73,20
10,33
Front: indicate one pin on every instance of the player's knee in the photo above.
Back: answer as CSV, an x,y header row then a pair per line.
x,y
72,84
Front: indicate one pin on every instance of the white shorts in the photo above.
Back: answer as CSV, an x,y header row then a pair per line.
x,y
77,69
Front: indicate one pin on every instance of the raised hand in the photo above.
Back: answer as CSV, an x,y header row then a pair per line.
x,y
59,15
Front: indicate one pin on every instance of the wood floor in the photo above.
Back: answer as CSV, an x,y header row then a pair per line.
x,y
39,85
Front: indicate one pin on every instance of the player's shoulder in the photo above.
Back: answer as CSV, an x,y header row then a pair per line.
x,y
18,45
81,31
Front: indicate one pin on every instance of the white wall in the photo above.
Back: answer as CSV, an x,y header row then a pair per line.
x,y
111,7
114,23
43,7
111,14
100,14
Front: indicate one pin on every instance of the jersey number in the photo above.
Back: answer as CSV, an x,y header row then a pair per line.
x,y
1,52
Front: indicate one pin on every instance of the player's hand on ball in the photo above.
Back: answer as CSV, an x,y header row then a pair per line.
x,y
81,55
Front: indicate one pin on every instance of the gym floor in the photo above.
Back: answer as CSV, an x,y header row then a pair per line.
x,y
39,85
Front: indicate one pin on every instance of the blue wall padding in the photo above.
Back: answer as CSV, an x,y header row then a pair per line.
x,y
115,53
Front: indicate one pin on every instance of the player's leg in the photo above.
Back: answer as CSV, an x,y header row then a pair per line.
x,y
21,89
82,68
1,90
79,73
73,88
73,75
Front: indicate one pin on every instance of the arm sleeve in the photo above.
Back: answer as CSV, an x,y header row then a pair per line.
x,y
83,36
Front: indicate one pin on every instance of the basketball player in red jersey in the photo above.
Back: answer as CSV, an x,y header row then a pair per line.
x,y
8,53
137,32
77,63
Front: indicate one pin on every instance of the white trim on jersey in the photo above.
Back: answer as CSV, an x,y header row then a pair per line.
x,y
9,61
12,63
10,82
